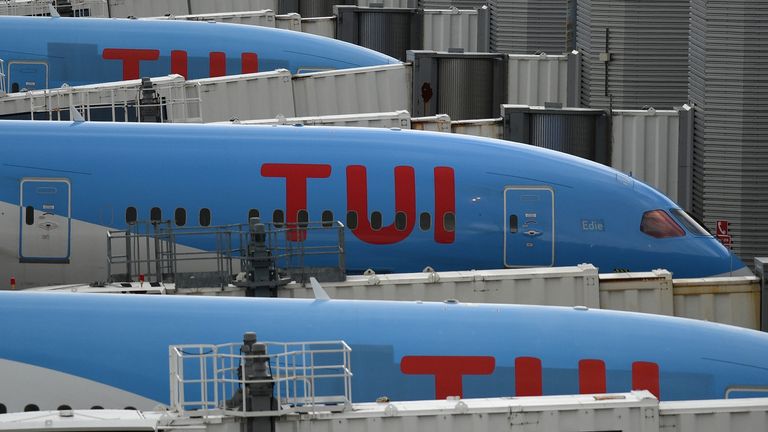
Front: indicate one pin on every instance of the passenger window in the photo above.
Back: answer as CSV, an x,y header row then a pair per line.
x,y
658,224
425,221
155,215
205,217
3,409
277,218
31,407
29,215
180,217
97,407
376,220
131,215
63,408
352,220
449,222
15,88
130,408
401,221
303,218
512,224
253,213
689,222
327,219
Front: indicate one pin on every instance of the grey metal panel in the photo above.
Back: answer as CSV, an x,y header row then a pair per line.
x,y
147,8
646,292
578,131
388,3
396,119
729,92
528,26
386,32
320,8
635,53
537,79
559,286
221,6
646,145
572,134
466,88
263,18
289,21
246,97
323,26
451,29
359,90
732,300
488,128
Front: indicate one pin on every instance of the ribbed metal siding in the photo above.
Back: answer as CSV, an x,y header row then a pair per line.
x,y
729,89
648,45
528,26
388,3
386,32
535,80
447,29
222,6
319,8
466,88
573,134
646,145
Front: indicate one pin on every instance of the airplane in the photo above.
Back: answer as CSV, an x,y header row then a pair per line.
x,y
43,52
112,351
408,199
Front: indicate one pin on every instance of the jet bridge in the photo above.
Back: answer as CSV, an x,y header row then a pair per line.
x,y
259,257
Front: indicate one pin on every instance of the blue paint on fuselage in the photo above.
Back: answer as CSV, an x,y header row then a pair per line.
x,y
115,166
123,341
73,47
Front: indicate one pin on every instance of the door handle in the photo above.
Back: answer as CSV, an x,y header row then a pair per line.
x,y
533,233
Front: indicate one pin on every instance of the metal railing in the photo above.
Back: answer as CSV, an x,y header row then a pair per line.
x,y
159,100
160,252
306,377
77,8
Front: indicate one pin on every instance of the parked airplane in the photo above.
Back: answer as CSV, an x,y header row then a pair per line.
x,y
112,351
49,52
409,199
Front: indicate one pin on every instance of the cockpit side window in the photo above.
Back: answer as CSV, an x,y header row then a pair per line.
x,y
689,222
658,224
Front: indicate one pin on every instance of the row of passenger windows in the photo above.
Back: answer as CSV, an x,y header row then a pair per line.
x,y
33,407
278,218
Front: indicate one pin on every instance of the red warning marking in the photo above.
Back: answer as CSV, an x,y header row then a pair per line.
x,y
528,376
591,376
217,64
645,376
448,370
250,63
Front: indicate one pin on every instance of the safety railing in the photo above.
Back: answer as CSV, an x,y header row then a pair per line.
x,y
208,380
77,8
159,251
159,100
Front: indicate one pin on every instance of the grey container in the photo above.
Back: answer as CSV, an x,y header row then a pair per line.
x,y
466,88
635,53
729,88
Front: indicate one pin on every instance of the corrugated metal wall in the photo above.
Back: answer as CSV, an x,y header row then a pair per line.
x,y
244,96
361,90
446,29
466,88
729,89
396,119
734,301
264,18
647,45
152,8
572,134
528,26
645,145
537,79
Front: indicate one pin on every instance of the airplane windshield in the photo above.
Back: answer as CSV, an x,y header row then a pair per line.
x,y
690,223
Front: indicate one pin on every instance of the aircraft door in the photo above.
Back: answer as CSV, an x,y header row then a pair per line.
x,y
529,226
27,75
45,221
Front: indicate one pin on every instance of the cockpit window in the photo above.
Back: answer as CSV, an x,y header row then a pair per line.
x,y
689,222
658,224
